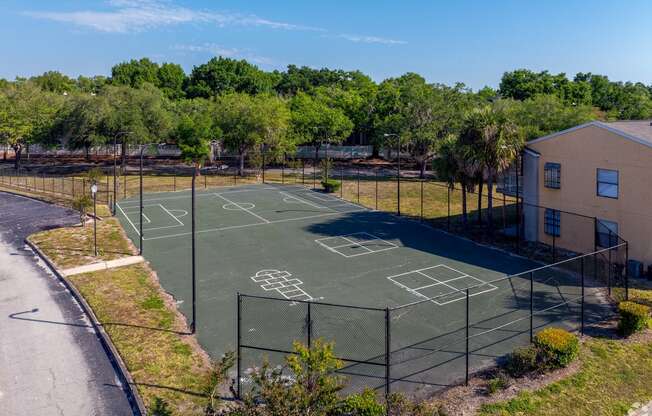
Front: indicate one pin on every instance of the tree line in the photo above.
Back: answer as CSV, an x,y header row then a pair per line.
x,y
468,136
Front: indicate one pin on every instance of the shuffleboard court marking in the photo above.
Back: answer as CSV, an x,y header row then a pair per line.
x,y
279,281
436,282
243,208
352,244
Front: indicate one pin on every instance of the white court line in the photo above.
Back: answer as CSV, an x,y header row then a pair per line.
x,y
357,244
170,198
455,291
243,208
303,201
128,219
170,214
233,227
147,219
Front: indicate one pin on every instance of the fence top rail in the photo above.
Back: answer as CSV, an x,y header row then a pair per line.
x,y
500,279
367,308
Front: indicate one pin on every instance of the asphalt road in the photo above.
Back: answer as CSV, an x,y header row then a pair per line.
x,y
51,360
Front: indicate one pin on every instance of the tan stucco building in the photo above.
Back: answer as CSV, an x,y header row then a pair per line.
x,y
598,169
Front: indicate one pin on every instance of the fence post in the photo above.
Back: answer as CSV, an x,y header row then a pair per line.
x,y
376,192
531,307
239,349
609,274
309,324
388,334
421,200
124,190
466,378
626,271
303,171
342,182
174,182
554,245
263,166
448,216
358,174
582,299
283,170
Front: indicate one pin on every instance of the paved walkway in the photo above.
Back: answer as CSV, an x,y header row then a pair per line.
x,y
51,361
638,410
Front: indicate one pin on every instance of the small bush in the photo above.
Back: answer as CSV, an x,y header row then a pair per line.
x,y
82,204
633,317
160,408
521,361
331,185
363,404
497,383
556,348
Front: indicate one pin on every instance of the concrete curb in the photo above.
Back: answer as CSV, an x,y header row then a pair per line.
x,y
127,381
102,265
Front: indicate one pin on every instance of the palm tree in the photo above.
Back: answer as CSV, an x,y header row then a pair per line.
x,y
495,141
453,165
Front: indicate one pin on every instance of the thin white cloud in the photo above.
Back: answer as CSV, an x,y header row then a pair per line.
x,y
139,15
371,39
219,50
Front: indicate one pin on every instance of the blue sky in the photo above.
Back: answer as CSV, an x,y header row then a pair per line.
x,y
471,41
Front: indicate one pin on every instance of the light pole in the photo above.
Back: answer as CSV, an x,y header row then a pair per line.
x,y
115,167
398,176
140,218
193,258
94,193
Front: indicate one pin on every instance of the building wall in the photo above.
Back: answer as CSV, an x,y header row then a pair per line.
x,y
581,152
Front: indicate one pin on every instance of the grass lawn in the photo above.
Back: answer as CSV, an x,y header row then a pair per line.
x,y
149,335
614,375
73,246
142,321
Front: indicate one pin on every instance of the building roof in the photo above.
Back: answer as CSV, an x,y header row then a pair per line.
x,y
639,131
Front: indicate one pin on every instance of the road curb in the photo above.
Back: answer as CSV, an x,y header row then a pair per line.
x,y
127,381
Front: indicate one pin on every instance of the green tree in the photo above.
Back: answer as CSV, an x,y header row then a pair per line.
x,y
171,79
145,113
545,114
314,122
193,136
135,73
420,114
82,120
223,75
54,81
27,115
249,122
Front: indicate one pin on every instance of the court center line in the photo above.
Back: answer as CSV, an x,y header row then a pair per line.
x,y
303,201
243,208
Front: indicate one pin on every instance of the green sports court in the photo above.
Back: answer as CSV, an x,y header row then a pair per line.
x,y
302,255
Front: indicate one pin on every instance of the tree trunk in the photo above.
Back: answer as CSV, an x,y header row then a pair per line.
x,y
422,169
241,170
375,151
490,202
480,186
87,150
18,150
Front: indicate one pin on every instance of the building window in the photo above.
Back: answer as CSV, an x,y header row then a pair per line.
x,y
552,222
606,233
552,175
608,183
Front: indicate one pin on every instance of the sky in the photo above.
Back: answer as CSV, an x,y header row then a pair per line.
x,y
469,41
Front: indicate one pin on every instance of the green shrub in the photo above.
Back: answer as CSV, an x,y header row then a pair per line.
x,y
363,404
633,317
521,361
497,383
556,348
331,185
